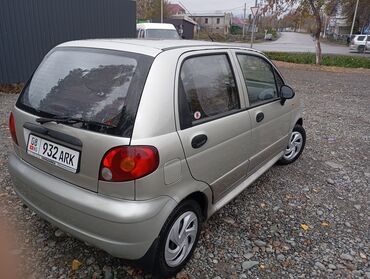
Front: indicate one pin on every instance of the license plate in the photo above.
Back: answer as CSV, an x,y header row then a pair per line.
x,y
53,153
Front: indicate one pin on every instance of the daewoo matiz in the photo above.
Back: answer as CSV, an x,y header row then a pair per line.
x,y
131,144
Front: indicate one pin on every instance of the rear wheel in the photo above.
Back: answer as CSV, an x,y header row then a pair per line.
x,y
295,147
178,238
361,49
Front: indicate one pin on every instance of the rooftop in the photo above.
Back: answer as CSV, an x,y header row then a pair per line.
x,y
215,14
175,9
148,47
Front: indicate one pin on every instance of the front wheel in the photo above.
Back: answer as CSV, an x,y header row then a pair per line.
x,y
295,147
178,238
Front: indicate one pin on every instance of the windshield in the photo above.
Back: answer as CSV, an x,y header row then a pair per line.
x,y
162,34
94,85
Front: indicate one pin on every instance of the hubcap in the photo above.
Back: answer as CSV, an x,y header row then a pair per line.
x,y
295,145
181,238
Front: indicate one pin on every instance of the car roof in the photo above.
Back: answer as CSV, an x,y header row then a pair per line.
x,y
150,47
165,26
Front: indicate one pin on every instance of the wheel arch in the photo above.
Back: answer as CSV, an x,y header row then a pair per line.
x,y
299,122
202,199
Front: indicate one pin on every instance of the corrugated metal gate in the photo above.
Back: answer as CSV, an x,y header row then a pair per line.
x,y
30,28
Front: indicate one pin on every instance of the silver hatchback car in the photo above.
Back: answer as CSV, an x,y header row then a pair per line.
x,y
360,43
131,145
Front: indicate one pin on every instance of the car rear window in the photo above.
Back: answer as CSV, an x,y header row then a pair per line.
x,y
95,85
161,34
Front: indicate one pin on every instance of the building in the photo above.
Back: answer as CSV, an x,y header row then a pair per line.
x,y
29,29
214,22
337,25
184,24
175,9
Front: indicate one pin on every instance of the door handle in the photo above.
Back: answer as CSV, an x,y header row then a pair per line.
x,y
198,141
260,116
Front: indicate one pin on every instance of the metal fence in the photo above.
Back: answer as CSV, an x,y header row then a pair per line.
x,y
30,28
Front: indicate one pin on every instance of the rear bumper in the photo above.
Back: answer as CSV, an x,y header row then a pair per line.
x,y
123,228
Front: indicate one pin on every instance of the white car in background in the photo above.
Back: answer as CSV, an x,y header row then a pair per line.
x,y
157,31
360,43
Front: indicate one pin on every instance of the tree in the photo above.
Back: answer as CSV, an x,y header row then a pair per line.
x,y
316,6
313,8
297,20
151,9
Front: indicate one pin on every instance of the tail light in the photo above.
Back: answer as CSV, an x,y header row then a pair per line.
x,y
12,128
125,163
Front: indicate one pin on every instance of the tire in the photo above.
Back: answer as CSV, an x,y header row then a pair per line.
x,y
164,266
296,145
361,49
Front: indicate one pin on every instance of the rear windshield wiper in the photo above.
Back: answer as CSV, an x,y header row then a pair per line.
x,y
71,120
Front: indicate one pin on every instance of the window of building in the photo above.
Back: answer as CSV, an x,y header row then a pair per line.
x,y
206,20
218,21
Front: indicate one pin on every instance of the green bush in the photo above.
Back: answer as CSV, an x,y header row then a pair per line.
x,y
327,60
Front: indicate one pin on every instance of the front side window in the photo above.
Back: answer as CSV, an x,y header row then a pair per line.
x,y
207,89
279,81
259,78
368,38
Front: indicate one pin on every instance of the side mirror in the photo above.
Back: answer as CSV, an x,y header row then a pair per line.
x,y
286,93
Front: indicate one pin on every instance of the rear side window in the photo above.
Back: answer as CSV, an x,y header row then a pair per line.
x,y
259,78
207,89
361,38
95,85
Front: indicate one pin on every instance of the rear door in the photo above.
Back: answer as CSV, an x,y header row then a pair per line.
x,y
99,86
213,125
270,119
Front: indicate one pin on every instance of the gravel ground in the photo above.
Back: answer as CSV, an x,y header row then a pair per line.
x,y
307,220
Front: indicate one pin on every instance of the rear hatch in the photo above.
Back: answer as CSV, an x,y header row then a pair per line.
x,y
80,103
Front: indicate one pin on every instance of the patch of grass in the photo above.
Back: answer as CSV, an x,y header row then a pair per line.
x,y
345,61
11,88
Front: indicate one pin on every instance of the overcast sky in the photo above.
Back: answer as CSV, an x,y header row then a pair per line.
x,y
234,6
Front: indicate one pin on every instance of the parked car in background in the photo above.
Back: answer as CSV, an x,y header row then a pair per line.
x,y
268,37
360,43
157,31
131,145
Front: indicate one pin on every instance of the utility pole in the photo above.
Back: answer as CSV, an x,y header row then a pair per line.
x,y
353,22
244,19
162,11
254,23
